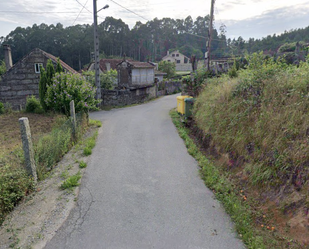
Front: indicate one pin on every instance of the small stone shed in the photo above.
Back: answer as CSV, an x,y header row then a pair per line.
x,y
22,79
135,73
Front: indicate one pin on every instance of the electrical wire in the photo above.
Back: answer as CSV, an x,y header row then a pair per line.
x,y
38,12
129,10
80,12
83,6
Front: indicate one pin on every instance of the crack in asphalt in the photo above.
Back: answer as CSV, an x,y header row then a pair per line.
x,y
80,217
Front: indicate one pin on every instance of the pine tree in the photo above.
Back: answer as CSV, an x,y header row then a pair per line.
x,y
59,67
50,72
42,88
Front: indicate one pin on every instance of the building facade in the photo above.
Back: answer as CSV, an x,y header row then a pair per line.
x,y
182,62
22,79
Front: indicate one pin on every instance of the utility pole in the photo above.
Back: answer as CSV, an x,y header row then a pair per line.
x,y
96,51
210,34
96,48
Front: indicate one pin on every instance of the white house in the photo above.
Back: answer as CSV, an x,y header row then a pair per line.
x,y
182,62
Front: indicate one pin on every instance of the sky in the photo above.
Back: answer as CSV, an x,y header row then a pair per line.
x,y
245,18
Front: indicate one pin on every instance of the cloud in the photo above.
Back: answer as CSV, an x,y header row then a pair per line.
x,y
269,23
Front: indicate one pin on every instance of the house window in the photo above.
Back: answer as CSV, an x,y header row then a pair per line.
x,y
186,60
37,67
173,55
177,55
178,61
169,60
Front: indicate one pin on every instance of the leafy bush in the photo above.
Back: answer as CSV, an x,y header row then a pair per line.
x,y
33,105
82,164
107,79
2,68
1,108
67,87
167,67
261,116
14,185
71,182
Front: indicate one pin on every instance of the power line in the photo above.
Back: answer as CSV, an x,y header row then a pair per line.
x,y
128,10
83,6
80,12
38,12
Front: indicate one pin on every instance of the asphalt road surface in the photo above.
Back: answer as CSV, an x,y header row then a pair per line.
x,y
142,189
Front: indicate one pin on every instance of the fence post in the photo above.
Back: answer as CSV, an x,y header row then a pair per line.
x,y
73,117
28,147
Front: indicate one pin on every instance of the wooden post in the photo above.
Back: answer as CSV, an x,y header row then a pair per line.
x,y
28,147
73,117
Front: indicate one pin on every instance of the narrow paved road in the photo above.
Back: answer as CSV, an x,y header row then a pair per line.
x,y
142,189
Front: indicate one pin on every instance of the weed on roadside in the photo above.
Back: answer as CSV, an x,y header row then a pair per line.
x,y
82,165
71,182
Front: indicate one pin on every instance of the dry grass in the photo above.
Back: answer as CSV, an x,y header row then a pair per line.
x,y
10,132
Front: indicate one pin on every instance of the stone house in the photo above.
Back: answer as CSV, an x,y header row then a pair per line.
x,y
135,73
182,62
106,65
22,79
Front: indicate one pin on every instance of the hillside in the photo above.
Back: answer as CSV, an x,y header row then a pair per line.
x,y
256,126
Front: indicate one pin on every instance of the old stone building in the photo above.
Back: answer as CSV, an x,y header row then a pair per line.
x,y
22,79
182,62
135,73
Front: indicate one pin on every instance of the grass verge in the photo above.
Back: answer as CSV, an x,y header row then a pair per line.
x,y
233,201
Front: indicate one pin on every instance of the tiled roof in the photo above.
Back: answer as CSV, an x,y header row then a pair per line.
x,y
138,64
113,64
63,64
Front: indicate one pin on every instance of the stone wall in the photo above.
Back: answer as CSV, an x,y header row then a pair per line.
x,y
169,87
128,96
21,80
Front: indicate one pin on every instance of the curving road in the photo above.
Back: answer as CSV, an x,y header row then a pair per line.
x,y
142,189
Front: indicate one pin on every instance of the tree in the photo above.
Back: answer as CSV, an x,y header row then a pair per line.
x,y
66,87
2,68
167,67
46,78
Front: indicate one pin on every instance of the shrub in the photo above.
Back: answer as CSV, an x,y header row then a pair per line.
x,y
167,67
67,87
50,148
82,164
72,181
33,105
1,108
14,185
261,115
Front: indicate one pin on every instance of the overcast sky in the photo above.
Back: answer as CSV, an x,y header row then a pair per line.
x,y
246,18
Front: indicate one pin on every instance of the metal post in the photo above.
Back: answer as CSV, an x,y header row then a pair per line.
x,y
96,51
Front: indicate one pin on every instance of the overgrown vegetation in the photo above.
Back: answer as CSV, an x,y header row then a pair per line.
x,y
231,198
66,87
1,108
71,181
48,150
257,122
107,79
14,185
2,67
46,78
167,67
89,144
33,105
